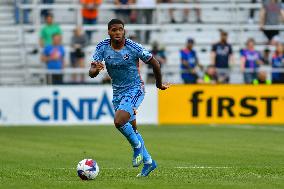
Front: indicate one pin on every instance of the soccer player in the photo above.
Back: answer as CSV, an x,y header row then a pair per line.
x,y
121,57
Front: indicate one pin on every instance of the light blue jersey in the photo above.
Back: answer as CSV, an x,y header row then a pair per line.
x,y
122,65
128,90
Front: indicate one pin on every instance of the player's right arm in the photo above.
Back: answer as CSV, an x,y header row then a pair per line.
x,y
148,58
95,69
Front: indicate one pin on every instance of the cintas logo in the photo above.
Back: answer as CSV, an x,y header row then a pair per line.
x,y
227,105
59,108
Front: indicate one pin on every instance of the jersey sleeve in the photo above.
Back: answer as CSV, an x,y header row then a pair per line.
x,y
144,55
98,54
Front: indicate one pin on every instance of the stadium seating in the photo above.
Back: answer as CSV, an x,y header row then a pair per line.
x,y
17,42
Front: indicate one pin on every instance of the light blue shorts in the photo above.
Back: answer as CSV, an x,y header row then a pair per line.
x,y
129,101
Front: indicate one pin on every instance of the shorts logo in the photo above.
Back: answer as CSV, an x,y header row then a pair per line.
x,y
126,57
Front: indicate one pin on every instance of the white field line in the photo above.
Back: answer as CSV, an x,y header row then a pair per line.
x,y
125,168
252,127
202,167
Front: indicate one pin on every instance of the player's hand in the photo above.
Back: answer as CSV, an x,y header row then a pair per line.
x,y
98,65
163,86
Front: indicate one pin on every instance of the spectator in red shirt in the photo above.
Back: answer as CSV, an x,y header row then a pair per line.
x,y
90,13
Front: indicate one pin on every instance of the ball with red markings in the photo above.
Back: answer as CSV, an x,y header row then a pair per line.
x,y
88,169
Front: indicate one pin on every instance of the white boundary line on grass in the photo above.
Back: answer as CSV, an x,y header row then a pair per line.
x,y
251,127
125,168
202,167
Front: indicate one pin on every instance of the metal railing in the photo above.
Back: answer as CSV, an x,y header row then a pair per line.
x,y
157,25
171,73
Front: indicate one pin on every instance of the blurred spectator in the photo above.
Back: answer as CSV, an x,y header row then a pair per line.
x,y
251,19
221,56
78,43
210,76
189,62
45,12
48,31
186,11
269,16
171,11
266,56
21,15
133,37
123,13
261,78
197,12
53,56
90,12
250,61
278,63
145,16
159,54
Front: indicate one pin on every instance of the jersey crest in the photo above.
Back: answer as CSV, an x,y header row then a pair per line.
x,y
126,57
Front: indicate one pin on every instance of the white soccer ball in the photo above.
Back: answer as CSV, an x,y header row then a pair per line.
x,y
88,169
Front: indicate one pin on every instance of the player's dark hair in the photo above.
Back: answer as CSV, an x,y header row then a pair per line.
x,y
114,21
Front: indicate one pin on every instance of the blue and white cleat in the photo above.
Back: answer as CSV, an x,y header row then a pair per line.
x,y
147,169
137,156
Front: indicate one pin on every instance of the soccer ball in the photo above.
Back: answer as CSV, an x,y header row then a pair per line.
x,y
87,169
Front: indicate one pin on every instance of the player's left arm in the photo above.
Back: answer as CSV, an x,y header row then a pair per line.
x,y
158,75
148,58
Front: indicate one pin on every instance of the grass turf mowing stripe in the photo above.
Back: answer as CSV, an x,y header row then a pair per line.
x,y
188,157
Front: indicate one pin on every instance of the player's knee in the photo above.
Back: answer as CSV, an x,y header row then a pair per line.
x,y
121,118
118,122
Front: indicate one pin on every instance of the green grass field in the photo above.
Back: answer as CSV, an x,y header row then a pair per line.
x,y
188,157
